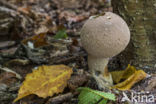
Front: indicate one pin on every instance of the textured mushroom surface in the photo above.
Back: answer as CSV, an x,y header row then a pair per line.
x,y
105,36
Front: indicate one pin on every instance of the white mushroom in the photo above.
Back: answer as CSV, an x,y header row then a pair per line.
x,y
104,37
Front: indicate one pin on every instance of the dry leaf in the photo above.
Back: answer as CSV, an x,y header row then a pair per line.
x,y
38,40
72,16
124,74
45,81
117,76
42,29
134,78
25,10
151,83
7,78
130,75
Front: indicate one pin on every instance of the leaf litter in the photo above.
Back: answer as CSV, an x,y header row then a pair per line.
x,y
41,22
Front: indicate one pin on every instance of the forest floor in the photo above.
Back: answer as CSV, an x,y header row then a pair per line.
x,y
57,24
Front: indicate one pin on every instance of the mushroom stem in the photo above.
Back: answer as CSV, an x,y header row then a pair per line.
x,y
99,70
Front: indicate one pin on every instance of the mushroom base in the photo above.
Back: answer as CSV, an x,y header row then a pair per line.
x,y
99,71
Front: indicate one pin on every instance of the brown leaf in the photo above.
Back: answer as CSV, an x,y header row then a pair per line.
x,y
72,16
7,78
151,84
38,40
25,10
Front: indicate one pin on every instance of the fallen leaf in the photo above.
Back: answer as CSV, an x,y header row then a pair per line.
x,y
130,77
7,78
151,83
54,29
72,16
123,74
45,81
67,3
61,34
90,96
134,78
38,40
42,29
25,10
117,76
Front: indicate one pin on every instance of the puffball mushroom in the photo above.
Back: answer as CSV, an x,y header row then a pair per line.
x,y
103,37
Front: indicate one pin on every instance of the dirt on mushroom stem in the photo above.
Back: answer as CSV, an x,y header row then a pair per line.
x,y
98,67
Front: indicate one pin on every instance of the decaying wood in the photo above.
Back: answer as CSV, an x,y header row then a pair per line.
x,y
60,99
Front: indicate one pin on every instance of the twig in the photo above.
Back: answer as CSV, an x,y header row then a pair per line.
x,y
60,99
9,70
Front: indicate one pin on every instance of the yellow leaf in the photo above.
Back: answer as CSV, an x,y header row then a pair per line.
x,y
38,40
134,78
45,81
128,72
130,75
124,74
117,76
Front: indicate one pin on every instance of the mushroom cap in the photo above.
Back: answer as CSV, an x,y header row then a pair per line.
x,y
105,36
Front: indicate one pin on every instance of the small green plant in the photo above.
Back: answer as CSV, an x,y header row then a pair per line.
x,y
61,34
90,96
